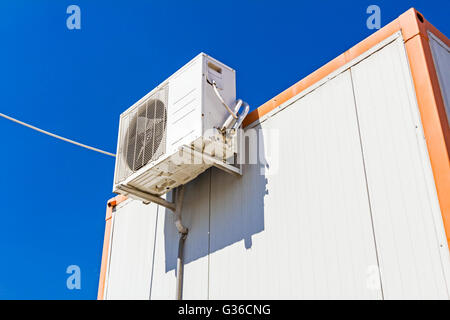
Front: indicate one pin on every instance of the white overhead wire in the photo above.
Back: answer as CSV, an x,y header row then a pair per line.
x,y
56,136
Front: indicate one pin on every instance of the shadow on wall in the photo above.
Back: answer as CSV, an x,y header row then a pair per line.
x,y
220,209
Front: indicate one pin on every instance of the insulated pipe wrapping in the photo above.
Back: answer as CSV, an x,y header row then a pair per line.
x,y
179,195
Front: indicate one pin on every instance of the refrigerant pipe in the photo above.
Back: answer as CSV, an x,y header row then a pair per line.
x,y
234,120
231,120
241,117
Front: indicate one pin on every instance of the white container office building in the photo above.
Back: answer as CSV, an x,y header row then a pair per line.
x,y
349,198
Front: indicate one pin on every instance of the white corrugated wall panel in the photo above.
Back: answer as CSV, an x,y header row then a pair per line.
x,y
165,255
407,230
441,57
301,228
195,215
131,256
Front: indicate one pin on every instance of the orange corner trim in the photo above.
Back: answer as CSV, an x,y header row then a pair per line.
x,y
431,105
111,204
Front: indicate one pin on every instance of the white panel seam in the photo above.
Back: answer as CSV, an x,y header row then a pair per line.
x,y
367,184
153,253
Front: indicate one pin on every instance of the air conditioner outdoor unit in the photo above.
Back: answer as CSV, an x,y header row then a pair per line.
x,y
179,129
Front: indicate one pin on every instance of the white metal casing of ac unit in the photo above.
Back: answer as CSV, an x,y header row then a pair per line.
x,y
181,114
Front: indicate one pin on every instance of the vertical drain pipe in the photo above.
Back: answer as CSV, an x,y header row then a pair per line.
x,y
179,195
180,266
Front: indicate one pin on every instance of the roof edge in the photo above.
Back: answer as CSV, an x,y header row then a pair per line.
x,y
410,23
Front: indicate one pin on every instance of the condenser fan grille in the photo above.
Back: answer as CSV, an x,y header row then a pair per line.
x,y
143,134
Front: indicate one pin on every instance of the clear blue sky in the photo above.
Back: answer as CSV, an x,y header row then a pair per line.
x,y
76,83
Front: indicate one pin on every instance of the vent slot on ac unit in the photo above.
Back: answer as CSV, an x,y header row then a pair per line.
x,y
143,134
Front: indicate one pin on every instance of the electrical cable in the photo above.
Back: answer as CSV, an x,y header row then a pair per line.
x,y
56,136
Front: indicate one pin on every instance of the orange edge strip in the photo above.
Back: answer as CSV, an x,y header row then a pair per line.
x,y
431,107
105,254
324,71
429,98
407,23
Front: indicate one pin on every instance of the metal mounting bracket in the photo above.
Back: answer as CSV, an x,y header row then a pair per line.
x,y
147,197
